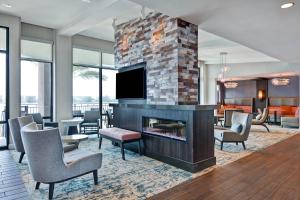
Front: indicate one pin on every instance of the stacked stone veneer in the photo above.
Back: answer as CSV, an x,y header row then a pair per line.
x,y
170,49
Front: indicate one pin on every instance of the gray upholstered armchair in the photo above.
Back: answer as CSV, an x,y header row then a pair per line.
x,y
90,123
37,118
239,132
47,162
228,116
14,127
291,121
262,120
25,120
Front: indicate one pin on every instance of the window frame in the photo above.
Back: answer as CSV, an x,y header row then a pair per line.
x,y
7,103
51,73
101,67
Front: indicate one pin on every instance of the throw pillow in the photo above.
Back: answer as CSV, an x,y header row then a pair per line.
x,y
236,127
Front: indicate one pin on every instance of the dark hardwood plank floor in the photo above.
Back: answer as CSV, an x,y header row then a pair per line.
x,y
11,184
273,173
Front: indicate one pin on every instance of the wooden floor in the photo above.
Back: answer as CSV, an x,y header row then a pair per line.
x,y
11,184
273,173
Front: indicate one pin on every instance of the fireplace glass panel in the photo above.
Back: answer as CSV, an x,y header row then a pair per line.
x,y
164,127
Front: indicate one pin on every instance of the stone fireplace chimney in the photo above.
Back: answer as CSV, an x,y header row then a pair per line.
x,y
169,46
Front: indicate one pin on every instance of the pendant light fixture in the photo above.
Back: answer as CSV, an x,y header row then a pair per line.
x,y
224,69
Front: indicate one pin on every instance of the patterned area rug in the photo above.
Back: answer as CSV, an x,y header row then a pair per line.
x,y
140,177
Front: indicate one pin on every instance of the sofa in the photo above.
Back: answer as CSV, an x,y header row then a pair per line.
x,y
291,121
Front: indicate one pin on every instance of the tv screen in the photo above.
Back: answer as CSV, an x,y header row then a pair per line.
x,y
131,84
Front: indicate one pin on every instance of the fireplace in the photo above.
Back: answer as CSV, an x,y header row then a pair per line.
x,y
174,129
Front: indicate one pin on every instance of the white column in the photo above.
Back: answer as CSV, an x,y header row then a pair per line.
x,y
63,78
203,83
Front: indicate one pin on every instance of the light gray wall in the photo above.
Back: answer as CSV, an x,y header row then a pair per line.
x,y
14,25
245,71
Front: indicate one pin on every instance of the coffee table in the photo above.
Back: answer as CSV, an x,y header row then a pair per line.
x,y
74,139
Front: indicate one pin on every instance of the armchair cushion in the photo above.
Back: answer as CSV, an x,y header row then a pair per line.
x,y
72,156
236,127
227,135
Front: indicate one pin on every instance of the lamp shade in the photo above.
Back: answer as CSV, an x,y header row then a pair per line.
x,y
261,95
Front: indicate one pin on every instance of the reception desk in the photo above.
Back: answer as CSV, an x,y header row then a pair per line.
x,y
180,135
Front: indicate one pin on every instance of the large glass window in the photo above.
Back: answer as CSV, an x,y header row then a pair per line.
x,y
36,50
3,87
36,78
83,57
86,85
108,80
36,88
89,66
85,89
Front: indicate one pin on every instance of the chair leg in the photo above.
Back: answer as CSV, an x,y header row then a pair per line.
x,y
37,186
95,175
51,190
266,127
140,150
243,143
21,157
221,145
122,150
100,142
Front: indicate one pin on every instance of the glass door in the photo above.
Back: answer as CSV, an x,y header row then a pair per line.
x,y
4,112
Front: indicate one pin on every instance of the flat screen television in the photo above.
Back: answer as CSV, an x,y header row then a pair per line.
x,y
131,84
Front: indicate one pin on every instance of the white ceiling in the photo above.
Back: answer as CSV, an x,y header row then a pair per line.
x,y
72,17
210,46
258,24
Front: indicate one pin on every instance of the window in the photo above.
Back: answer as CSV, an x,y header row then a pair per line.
x,y
4,137
83,57
86,85
36,88
108,80
36,50
36,78
85,89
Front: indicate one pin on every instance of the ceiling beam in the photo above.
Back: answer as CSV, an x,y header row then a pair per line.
x,y
94,15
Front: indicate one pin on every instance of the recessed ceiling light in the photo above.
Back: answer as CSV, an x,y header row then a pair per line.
x,y
86,1
6,5
287,5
